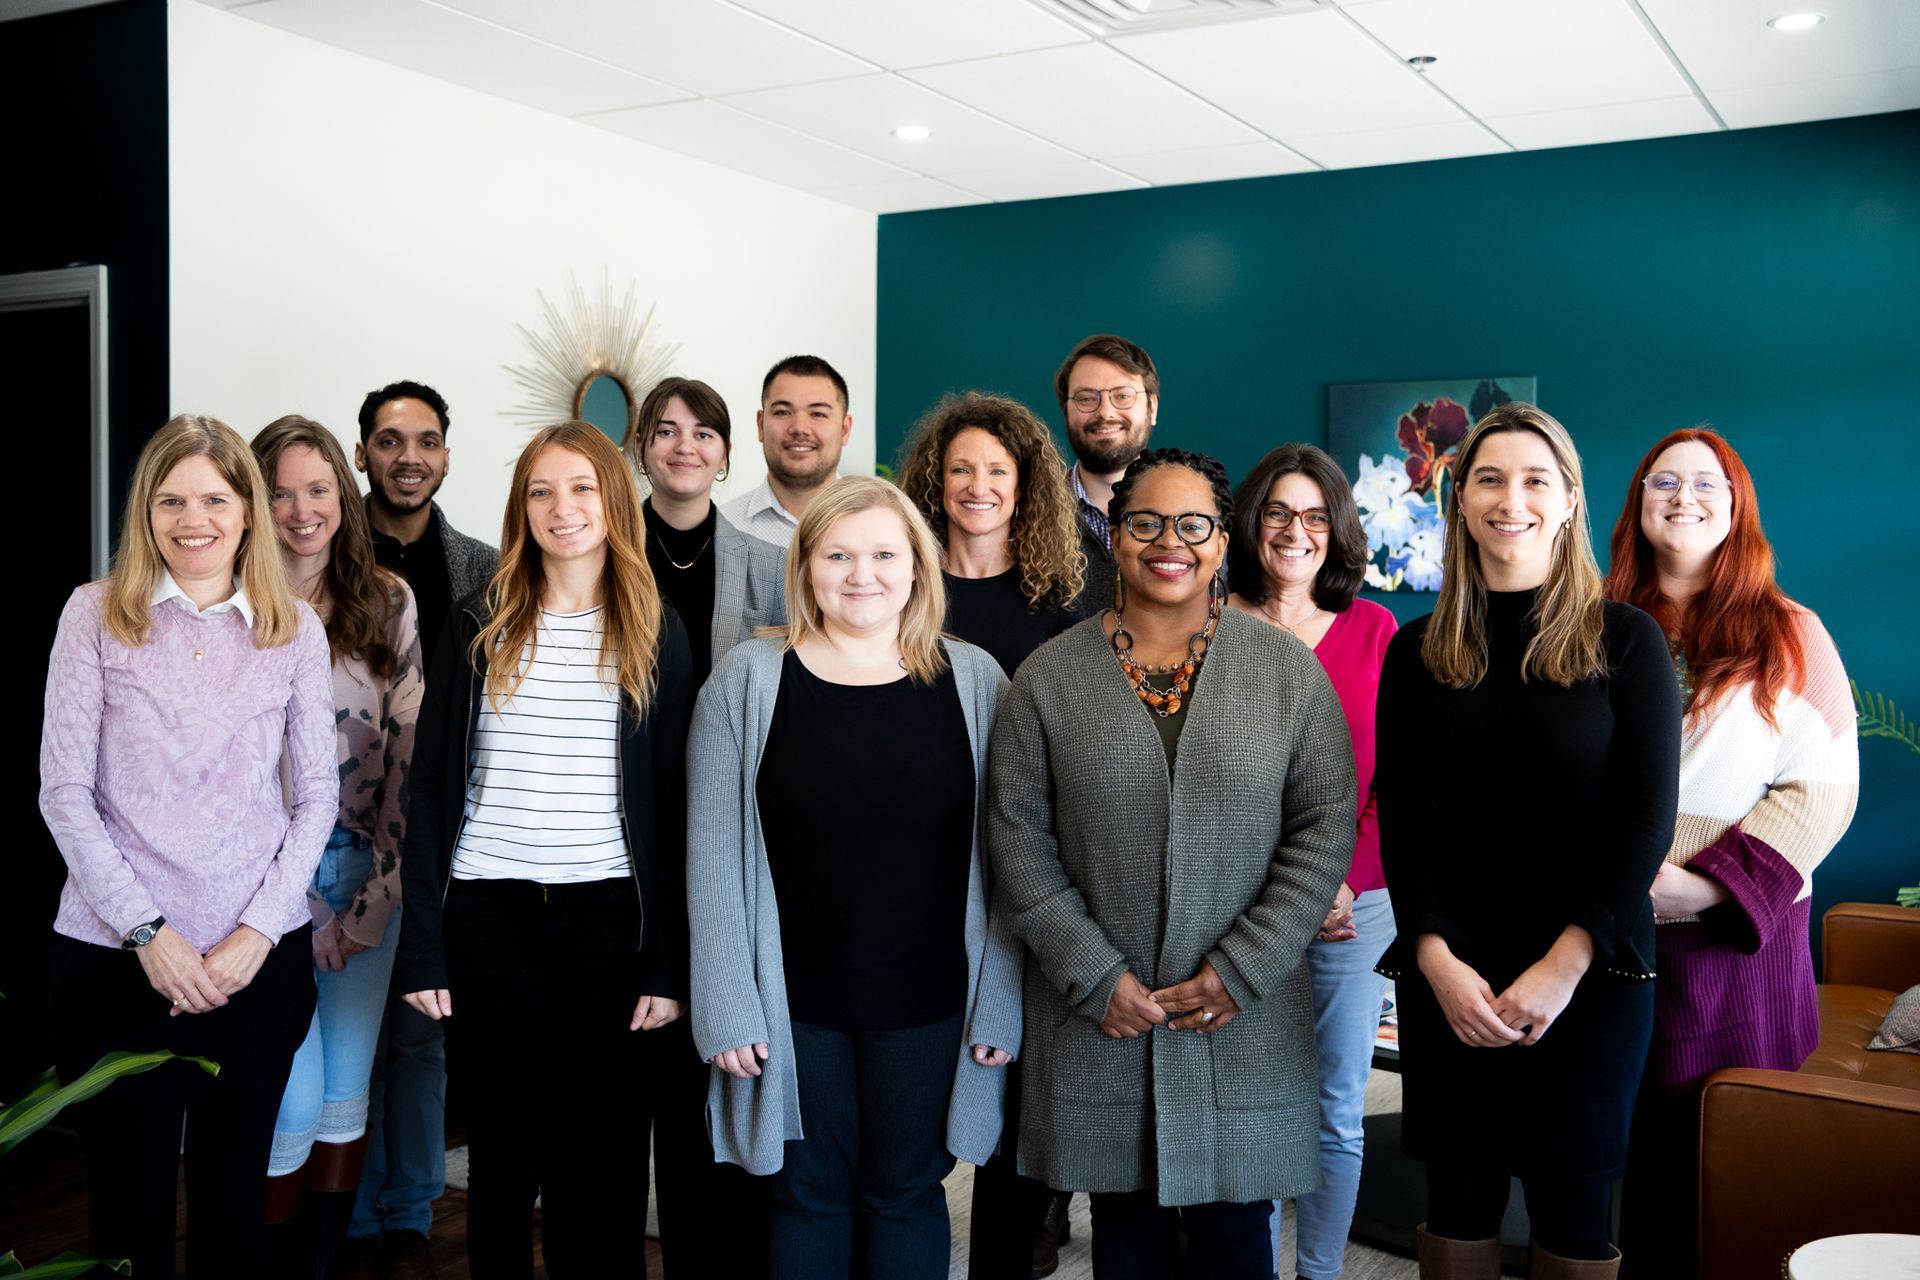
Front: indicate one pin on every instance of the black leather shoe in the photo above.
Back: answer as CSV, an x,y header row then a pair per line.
x,y
1053,1231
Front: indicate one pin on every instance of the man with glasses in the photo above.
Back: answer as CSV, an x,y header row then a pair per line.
x,y
1109,394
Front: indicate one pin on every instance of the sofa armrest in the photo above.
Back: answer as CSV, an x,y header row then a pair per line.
x,y
1867,944
1787,1158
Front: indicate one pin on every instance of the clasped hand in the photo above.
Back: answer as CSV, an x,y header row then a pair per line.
x,y
1201,1003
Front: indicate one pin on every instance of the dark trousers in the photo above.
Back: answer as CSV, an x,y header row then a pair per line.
x,y
544,980
100,1001
873,1105
1006,1208
1660,1203
1569,1218
1136,1238
713,1217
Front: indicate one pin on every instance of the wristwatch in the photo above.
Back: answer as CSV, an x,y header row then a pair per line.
x,y
142,934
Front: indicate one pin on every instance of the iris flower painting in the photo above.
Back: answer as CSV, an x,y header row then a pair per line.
x,y
1399,441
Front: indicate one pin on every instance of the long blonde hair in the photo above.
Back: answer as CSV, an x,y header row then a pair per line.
x,y
926,608
138,564
632,623
1569,610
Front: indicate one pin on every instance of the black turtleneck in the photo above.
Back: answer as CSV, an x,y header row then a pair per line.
x,y
690,589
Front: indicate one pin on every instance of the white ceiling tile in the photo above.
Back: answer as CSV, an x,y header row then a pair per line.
x,y
1398,146
1504,57
914,33
1855,95
1728,45
1041,182
1306,73
903,196
701,46
439,42
1089,98
1617,122
862,114
709,131
1213,164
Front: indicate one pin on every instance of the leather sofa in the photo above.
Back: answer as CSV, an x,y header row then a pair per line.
x,y
1787,1157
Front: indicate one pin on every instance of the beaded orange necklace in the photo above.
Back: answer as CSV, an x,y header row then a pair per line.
x,y
1164,702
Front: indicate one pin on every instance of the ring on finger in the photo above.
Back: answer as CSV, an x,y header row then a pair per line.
x,y
1206,1015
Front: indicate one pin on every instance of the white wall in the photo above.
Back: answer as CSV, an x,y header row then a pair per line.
x,y
338,223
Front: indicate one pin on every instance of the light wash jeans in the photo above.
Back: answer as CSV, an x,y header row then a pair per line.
x,y
326,1097
1346,1013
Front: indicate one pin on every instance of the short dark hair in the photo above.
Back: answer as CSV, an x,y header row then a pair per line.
x,y
807,367
1111,347
703,400
1339,579
1206,467
402,390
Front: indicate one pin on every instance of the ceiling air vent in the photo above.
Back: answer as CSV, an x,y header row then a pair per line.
x,y
1125,17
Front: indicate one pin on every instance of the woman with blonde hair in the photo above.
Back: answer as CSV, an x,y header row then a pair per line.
x,y
849,986
985,473
1528,750
545,856
373,637
177,686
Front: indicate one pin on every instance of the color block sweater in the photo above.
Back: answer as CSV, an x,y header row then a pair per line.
x,y
1759,808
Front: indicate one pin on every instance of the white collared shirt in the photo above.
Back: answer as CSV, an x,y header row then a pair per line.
x,y
167,589
759,514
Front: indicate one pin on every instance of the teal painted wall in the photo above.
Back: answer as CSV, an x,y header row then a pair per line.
x,y
1765,280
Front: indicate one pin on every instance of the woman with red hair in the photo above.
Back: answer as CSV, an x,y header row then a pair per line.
x,y
1769,772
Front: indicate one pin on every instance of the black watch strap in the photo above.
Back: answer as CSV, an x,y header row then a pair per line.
x,y
141,934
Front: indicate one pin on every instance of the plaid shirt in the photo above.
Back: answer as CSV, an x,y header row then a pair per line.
x,y
1096,518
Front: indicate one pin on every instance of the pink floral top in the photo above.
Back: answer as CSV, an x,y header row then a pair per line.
x,y
375,732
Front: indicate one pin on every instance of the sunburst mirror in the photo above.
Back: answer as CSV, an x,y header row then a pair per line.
x,y
594,360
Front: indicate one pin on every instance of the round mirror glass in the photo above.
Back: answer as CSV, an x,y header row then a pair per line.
x,y
604,403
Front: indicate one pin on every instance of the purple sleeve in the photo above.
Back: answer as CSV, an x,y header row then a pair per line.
x,y
314,784
1762,885
69,764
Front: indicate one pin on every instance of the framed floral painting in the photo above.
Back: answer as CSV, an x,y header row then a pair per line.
x,y
1398,441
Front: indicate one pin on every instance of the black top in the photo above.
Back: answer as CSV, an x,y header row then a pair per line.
x,y
993,613
1515,808
867,802
423,563
689,590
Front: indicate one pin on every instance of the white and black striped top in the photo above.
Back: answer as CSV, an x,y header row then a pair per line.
x,y
542,800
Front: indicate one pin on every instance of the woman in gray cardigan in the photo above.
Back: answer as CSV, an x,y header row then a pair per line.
x,y
849,987
1167,884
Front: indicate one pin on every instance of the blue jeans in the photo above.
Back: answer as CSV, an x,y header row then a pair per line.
x,y
406,1169
1346,1014
326,1096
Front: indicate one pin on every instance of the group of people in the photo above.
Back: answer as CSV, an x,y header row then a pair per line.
x,y
815,842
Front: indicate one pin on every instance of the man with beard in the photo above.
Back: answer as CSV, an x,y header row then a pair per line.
x,y
403,450
804,424
1109,394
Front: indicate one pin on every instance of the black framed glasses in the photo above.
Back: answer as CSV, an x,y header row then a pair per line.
x,y
1277,515
1191,527
1119,397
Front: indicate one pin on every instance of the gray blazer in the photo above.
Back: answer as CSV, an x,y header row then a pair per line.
x,y
1106,862
749,587
739,988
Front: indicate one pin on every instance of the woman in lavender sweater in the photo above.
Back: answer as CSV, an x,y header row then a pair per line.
x,y
176,686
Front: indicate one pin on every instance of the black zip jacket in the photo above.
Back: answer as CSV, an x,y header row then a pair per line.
x,y
653,805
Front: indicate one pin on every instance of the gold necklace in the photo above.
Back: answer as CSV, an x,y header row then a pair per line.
x,y
567,655
669,555
1279,620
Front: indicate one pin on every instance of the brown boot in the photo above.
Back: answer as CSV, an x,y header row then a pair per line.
x,y
1551,1266
1445,1259
1052,1231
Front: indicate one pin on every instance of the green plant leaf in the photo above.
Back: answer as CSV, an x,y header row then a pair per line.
x,y
67,1264
25,1116
1878,717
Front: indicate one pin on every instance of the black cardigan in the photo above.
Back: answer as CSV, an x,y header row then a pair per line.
x,y
653,785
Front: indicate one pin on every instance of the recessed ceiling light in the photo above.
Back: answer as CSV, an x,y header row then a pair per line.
x,y
1797,21
1421,61
913,133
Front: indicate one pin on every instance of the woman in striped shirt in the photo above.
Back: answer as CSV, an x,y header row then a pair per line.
x,y
545,856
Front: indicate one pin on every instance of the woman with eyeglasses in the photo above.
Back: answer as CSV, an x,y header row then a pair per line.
x,y
1297,561
1769,773
1172,812
1528,752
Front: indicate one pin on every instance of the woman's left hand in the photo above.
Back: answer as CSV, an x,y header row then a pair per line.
x,y
1209,1006
654,1011
1679,892
236,958
1338,926
988,1056
1539,995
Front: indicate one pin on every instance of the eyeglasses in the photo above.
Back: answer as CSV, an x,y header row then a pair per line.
x,y
1275,515
1191,527
1119,397
1706,485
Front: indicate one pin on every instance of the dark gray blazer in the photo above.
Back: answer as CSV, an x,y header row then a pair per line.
x,y
749,587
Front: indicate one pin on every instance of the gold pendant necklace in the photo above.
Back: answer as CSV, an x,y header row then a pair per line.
x,y
669,555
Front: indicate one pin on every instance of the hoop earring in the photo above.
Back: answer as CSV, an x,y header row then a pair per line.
x,y
721,476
